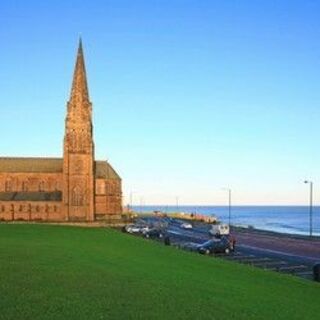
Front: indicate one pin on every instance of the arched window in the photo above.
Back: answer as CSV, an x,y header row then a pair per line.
x,y
101,187
112,188
8,186
107,188
76,196
24,186
41,186
72,140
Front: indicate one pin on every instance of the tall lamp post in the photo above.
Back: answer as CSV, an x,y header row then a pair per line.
x,y
310,205
229,203
141,203
177,203
131,198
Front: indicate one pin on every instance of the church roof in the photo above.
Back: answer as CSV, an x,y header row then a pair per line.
x,y
31,165
104,170
50,165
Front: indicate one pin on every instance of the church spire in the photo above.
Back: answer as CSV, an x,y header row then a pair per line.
x,y
78,150
79,90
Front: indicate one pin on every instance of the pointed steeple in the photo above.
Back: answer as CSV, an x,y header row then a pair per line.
x,y
78,149
79,90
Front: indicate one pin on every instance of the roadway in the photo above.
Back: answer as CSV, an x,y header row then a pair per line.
x,y
268,251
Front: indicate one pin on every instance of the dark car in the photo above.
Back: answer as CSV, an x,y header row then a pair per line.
x,y
223,245
153,233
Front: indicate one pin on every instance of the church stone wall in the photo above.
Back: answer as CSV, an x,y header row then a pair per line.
x,y
108,196
30,182
31,211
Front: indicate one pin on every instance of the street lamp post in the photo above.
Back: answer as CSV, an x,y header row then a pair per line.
x,y
131,198
141,202
229,204
310,205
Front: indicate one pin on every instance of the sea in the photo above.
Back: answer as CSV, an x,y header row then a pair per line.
x,y
283,219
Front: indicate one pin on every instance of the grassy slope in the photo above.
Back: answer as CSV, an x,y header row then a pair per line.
x,y
53,272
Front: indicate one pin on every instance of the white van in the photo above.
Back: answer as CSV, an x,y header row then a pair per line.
x,y
218,230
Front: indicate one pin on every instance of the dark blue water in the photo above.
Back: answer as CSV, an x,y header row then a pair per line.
x,y
285,219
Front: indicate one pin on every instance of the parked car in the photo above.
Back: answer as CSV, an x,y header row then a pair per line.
x,y
219,230
135,228
223,245
186,225
153,233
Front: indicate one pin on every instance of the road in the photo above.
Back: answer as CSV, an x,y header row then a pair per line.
x,y
265,250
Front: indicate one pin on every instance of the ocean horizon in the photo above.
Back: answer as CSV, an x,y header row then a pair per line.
x,y
290,219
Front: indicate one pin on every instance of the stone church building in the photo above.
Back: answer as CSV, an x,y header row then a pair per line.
x,y
73,188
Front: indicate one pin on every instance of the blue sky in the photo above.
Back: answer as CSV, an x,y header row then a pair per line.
x,y
188,96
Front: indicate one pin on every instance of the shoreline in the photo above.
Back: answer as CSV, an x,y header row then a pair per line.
x,y
238,226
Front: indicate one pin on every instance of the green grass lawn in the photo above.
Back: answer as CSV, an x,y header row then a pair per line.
x,y
55,272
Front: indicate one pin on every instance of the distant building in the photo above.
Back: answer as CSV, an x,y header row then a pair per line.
x,y
72,188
